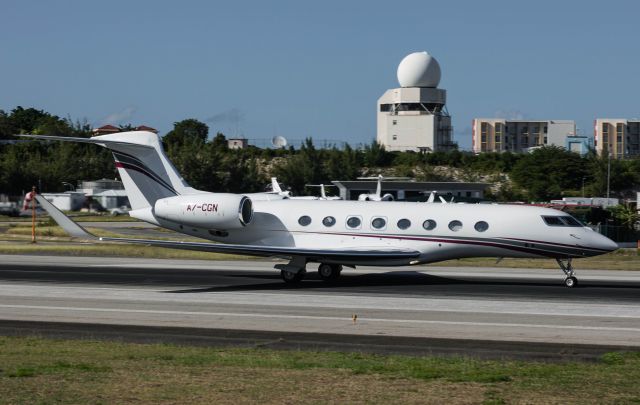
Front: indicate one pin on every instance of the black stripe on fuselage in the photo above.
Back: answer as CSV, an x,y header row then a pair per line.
x,y
561,250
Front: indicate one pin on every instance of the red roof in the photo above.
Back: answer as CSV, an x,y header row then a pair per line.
x,y
106,129
146,128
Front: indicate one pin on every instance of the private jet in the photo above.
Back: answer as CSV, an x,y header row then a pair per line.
x,y
333,235
377,195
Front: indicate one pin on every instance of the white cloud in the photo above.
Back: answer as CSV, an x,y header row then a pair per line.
x,y
120,116
232,116
510,114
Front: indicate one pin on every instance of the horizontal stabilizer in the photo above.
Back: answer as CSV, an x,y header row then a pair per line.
x,y
64,221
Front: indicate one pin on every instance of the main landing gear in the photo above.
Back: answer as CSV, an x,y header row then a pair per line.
x,y
565,265
329,272
294,271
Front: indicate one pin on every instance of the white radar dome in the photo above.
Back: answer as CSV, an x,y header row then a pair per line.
x,y
419,69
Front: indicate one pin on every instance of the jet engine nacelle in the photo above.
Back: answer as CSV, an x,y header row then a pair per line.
x,y
213,211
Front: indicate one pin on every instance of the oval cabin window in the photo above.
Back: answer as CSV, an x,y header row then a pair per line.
x,y
304,220
455,225
354,222
429,225
378,223
404,223
481,226
329,221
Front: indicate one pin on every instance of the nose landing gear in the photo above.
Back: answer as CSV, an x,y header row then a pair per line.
x,y
565,265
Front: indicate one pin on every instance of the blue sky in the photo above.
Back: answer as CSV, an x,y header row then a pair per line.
x,y
298,69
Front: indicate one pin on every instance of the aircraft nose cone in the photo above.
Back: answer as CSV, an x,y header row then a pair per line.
x,y
607,244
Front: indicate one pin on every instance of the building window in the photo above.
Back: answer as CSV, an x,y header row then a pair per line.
x,y
354,222
544,129
497,138
329,221
395,122
379,223
536,130
429,225
404,223
385,107
394,137
455,225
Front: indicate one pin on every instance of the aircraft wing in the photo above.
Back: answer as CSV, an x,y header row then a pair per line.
x,y
372,254
276,251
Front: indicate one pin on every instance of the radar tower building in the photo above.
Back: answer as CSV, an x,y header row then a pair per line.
x,y
414,116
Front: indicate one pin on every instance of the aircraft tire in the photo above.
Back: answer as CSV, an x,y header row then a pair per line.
x,y
329,272
570,282
290,277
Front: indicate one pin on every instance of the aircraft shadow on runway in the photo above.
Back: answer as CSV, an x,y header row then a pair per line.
x,y
421,283
224,280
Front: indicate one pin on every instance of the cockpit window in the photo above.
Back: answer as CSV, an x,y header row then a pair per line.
x,y
564,220
571,221
553,221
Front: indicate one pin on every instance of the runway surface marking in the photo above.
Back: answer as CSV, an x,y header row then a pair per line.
x,y
329,318
524,305
316,300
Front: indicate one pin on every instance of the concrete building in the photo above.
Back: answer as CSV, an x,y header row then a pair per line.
x,y
621,137
411,190
500,135
68,201
110,199
579,144
414,117
91,188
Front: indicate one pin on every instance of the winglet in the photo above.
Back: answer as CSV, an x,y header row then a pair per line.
x,y
64,221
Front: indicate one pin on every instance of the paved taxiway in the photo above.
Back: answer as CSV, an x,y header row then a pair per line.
x,y
517,305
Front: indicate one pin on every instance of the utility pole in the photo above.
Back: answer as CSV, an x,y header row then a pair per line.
x,y
33,214
608,176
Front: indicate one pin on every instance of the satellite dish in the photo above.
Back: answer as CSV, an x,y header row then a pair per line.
x,y
279,141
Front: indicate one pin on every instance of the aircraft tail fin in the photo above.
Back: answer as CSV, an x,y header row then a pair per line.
x,y
275,186
146,172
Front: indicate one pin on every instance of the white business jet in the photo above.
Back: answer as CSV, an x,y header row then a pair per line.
x,y
337,234
323,192
377,196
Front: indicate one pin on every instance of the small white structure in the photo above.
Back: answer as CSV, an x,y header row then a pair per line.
x,y
237,143
414,117
68,201
110,199
592,201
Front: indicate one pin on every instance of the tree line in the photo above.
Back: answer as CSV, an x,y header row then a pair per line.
x,y
207,163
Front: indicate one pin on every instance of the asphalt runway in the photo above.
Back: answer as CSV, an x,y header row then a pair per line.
x,y
418,308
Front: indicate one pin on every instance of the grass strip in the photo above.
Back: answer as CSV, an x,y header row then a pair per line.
x,y
35,370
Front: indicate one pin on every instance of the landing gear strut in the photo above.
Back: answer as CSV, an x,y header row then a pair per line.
x,y
329,272
565,265
294,271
